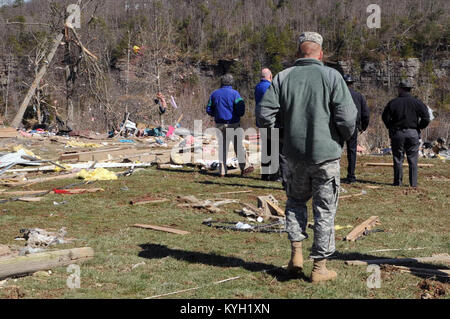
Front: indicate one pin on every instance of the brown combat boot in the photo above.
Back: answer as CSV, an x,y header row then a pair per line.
x,y
295,266
320,271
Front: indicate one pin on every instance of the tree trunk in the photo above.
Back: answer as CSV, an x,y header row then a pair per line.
x,y
19,116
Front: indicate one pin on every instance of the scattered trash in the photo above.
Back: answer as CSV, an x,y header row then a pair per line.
x,y
276,227
59,203
240,225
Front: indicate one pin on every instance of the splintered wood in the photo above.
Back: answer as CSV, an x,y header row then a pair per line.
x,y
192,201
359,230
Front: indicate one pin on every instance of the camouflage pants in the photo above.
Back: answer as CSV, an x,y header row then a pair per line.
x,y
321,182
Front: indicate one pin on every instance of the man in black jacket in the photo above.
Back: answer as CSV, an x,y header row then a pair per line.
x,y
362,122
405,116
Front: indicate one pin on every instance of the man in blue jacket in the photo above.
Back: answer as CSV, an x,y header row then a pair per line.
x,y
266,173
227,107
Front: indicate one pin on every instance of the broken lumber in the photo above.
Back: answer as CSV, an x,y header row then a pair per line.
x,y
423,271
352,195
160,228
359,230
29,199
147,200
75,191
42,179
7,132
275,209
269,204
194,202
90,165
391,164
22,265
394,261
22,193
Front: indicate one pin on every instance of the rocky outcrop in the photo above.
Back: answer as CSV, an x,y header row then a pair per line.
x,y
389,72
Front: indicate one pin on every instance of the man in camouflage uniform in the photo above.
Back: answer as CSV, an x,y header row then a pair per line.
x,y
318,116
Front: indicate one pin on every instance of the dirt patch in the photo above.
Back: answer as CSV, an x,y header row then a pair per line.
x,y
13,292
431,289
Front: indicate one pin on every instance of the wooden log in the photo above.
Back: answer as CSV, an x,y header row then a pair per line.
x,y
393,261
160,228
391,164
358,231
22,265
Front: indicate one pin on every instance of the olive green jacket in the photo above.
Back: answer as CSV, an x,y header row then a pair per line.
x,y
314,107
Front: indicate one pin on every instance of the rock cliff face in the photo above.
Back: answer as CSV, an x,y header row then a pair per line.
x,y
389,73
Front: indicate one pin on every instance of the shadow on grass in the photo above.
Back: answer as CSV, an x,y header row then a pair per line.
x,y
239,185
361,181
156,251
412,263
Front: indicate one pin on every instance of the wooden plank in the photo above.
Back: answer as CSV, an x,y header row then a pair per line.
x,y
75,191
275,210
164,229
358,231
147,200
423,271
8,132
393,261
22,193
391,164
42,179
30,199
352,195
21,265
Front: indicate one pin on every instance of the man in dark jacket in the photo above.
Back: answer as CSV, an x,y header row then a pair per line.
x,y
362,122
227,107
405,116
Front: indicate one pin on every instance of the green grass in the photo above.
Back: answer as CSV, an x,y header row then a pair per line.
x,y
410,218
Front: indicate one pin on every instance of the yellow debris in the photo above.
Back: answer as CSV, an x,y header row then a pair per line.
x,y
82,144
28,152
59,169
99,174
